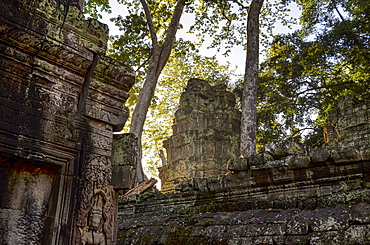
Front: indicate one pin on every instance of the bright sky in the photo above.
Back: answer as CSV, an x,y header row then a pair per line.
x,y
237,55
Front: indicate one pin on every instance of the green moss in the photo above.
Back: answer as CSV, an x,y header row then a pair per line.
x,y
208,222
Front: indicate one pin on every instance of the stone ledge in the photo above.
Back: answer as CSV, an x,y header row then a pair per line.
x,y
345,224
294,181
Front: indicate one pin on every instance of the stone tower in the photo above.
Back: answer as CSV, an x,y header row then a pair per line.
x,y
206,133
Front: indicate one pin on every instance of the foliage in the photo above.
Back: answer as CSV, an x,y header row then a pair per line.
x,y
134,47
307,71
94,8
303,75
226,21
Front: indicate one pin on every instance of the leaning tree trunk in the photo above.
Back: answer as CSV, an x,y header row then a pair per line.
x,y
249,98
141,109
159,59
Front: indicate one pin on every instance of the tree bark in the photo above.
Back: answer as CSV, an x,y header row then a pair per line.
x,y
158,61
249,98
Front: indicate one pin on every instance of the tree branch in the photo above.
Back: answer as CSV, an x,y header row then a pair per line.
x,y
171,35
149,20
298,131
341,16
145,62
240,4
328,86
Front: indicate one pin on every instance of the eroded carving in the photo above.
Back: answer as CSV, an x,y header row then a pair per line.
x,y
96,214
46,50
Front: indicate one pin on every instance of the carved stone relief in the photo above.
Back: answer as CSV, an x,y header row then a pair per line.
x,y
47,52
97,216
97,212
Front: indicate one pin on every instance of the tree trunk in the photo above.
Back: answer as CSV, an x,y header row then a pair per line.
x,y
159,59
249,99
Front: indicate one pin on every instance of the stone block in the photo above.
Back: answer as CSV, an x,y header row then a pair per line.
x,y
298,223
238,181
296,239
123,177
215,231
359,214
262,177
264,229
365,153
259,159
276,164
301,175
124,150
282,149
298,161
326,190
245,178
330,237
320,155
281,175
327,219
346,155
354,169
265,240
238,164
201,185
357,234
215,183
187,185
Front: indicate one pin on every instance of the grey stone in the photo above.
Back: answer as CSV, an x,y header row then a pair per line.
x,y
259,159
206,134
346,155
320,155
298,161
282,149
238,164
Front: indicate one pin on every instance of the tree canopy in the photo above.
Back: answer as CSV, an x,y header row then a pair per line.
x,y
302,76
306,71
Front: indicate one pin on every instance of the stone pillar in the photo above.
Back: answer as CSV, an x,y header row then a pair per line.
x,y
124,155
61,99
206,133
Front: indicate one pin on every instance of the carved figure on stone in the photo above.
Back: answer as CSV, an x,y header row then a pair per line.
x,y
92,237
96,214
96,218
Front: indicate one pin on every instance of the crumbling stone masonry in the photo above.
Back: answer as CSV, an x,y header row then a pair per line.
x,y
287,194
60,101
206,134
349,123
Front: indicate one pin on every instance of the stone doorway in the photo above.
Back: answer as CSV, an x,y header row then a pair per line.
x,y
28,200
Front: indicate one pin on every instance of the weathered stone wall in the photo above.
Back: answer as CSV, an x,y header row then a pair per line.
x,y
346,225
262,201
60,101
205,134
350,123
287,194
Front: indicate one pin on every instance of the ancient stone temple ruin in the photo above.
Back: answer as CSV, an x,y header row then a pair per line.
x,y
62,170
287,194
61,99
206,134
